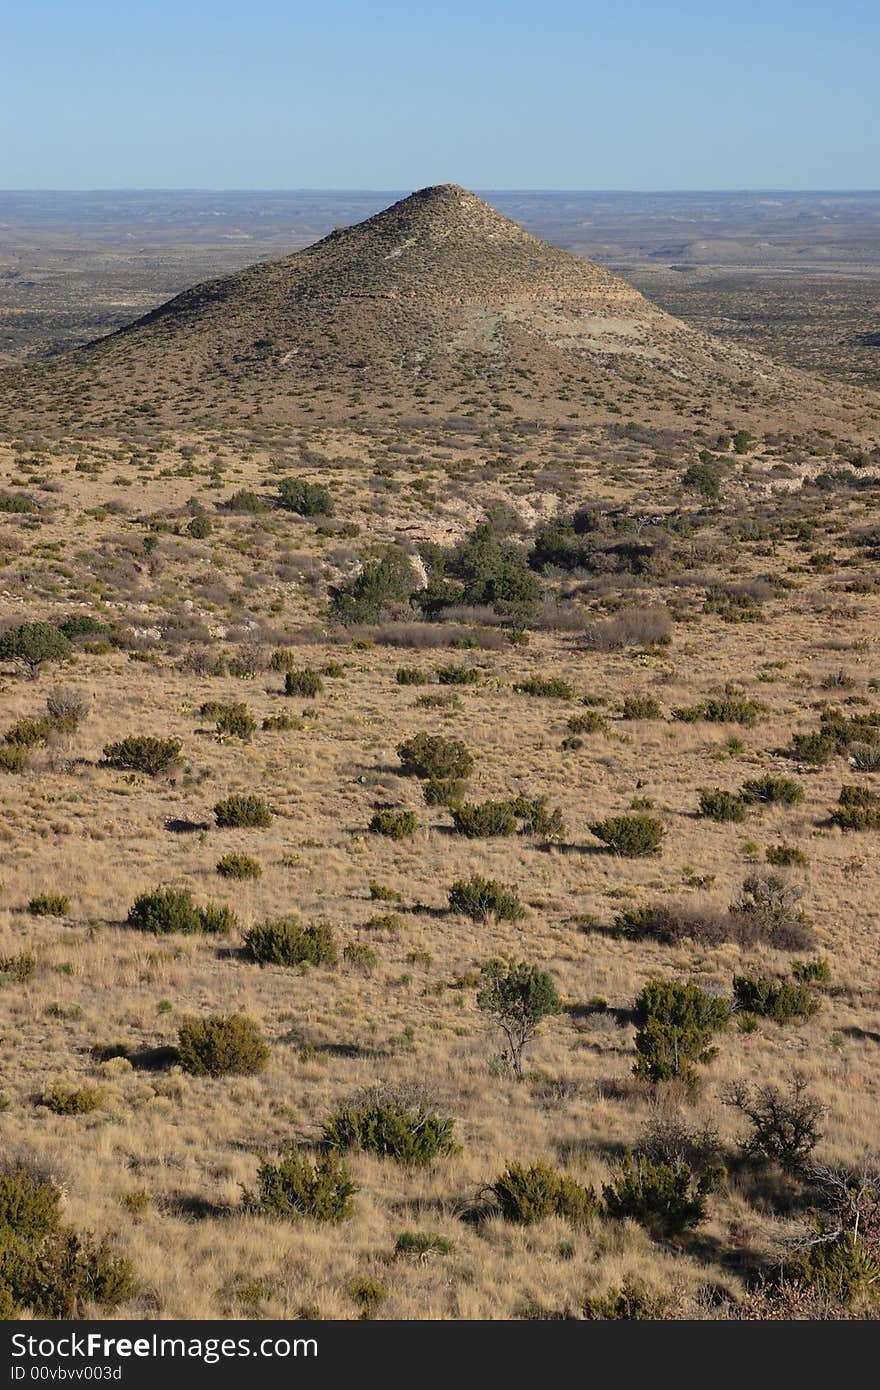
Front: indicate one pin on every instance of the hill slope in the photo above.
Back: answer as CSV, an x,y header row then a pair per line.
x,y
438,304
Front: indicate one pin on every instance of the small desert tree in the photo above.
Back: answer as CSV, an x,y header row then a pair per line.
x,y
517,997
32,644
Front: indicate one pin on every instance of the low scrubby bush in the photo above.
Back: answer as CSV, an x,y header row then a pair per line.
x,y
285,941
528,1194
222,1044
305,498
640,707
665,1198
858,809
142,753
166,910
79,1100
546,687
719,805
772,791
397,825
296,1187
408,1129
780,1000
49,905
634,837
481,898
305,683
17,970
238,866
676,1022
435,758
243,812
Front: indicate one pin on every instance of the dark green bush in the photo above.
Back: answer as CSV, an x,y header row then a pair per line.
x,y
398,825
481,898
49,905
166,910
420,1244
529,1194
409,1130
772,791
361,957
812,972
17,970
591,722
633,837
547,687
777,999
296,1187
632,1301
78,1101
13,758
729,709
382,585
675,1024
482,819
306,683
784,856
816,749
435,758
305,498
29,1202
858,809
410,675
448,791
233,720
641,707
222,1044
458,675
31,733
33,644
239,812
663,1197
719,805
240,866
285,941
142,753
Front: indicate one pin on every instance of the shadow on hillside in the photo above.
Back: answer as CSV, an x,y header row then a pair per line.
x,y
158,1058
186,827
194,1208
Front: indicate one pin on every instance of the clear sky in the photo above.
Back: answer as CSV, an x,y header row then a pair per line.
x,y
394,94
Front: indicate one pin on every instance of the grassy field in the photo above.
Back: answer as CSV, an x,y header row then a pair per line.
x,y
768,592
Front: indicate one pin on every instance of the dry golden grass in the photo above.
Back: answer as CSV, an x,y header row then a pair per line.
x,y
100,836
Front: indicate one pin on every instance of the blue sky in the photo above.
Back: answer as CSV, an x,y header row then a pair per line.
x,y
380,94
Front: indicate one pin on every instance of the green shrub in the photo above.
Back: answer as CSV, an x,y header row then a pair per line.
x,y
591,722
772,791
369,1295
730,709
435,758
57,1276
784,856
858,809
517,997
384,583
777,999
17,970
529,1194
239,812
239,866
33,644
49,905
305,683
675,1024
282,722
79,1101
458,675
285,941
448,792
141,753
410,675
222,1044
547,687
838,1265
398,825
482,819
31,733
361,957
29,1203
663,1197
721,805
632,1301
233,720
420,1244
641,707
295,1187
633,837
816,749
408,1130
536,817
13,758
166,910
305,498
481,898
812,972
200,527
